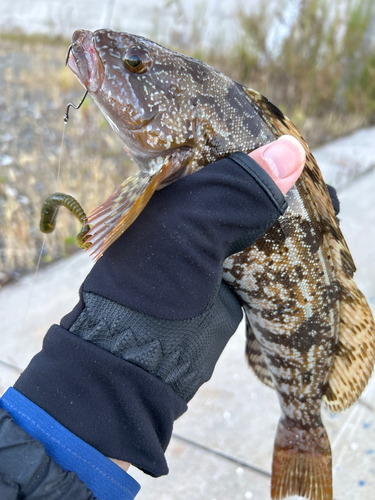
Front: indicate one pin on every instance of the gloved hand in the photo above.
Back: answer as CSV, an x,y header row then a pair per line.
x,y
155,311
156,301
176,313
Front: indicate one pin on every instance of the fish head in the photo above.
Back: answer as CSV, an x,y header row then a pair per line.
x,y
165,106
142,91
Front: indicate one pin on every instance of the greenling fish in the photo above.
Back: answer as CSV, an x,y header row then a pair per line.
x,y
310,332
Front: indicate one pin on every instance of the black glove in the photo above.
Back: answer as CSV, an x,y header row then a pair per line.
x,y
156,301
334,199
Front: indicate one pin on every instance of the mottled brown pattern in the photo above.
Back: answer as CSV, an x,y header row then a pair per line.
x,y
310,333
357,329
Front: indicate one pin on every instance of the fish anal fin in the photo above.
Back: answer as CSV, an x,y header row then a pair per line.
x,y
355,356
121,209
302,463
255,356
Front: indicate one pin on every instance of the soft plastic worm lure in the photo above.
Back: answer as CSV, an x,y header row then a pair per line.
x,y
49,213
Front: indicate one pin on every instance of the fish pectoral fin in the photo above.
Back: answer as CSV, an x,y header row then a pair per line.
x,y
302,463
355,355
255,357
120,210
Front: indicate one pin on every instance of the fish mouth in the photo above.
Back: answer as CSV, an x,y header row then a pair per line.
x,y
83,59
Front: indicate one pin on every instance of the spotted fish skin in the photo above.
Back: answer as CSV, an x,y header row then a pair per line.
x,y
289,289
310,332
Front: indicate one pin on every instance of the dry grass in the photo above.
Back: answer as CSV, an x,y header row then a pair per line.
x,y
35,88
321,73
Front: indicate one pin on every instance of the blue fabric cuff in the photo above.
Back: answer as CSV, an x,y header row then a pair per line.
x,y
105,479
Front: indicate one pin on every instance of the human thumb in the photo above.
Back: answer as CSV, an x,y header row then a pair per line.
x,y
283,160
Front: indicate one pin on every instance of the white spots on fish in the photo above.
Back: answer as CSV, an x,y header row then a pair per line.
x,y
156,164
108,34
153,141
115,53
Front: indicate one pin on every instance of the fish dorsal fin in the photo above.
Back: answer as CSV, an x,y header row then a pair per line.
x,y
255,357
121,209
355,350
355,358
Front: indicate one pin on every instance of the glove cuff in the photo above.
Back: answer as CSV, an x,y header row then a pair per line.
x,y
115,406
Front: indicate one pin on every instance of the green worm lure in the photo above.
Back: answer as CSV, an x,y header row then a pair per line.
x,y
49,213
56,200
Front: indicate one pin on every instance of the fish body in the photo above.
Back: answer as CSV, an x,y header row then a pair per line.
x,y
310,332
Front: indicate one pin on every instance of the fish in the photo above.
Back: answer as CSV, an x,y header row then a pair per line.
x,y
310,333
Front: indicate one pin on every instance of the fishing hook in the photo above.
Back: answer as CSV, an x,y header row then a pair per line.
x,y
66,117
68,53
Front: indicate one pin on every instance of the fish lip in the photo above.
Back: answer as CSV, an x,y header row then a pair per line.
x,y
84,61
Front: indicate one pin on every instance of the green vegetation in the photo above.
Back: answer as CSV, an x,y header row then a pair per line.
x,y
320,70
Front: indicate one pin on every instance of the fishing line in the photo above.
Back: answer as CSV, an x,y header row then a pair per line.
x,y
9,365
60,155
230,458
33,281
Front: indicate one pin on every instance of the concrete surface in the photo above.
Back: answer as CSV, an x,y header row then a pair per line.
x,y
233,414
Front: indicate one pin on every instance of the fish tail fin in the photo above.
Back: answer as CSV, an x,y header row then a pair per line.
x,y
302,463
120,210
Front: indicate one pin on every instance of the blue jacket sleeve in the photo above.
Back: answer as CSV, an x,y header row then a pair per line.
x,y
38,457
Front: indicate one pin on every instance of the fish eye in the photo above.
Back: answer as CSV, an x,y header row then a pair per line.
x,y
137,59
